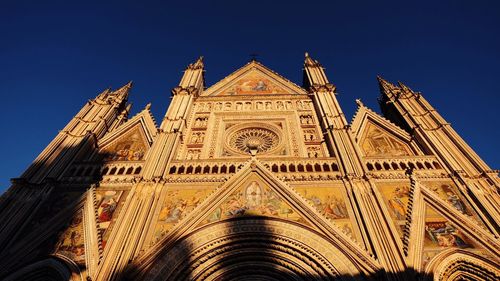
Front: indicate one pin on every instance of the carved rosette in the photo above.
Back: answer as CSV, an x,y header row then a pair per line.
x,y
262,138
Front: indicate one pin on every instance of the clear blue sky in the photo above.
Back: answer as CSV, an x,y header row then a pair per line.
x,y
56,55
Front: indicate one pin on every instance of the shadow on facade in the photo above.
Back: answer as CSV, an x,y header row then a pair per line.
x,y
250,248
35,215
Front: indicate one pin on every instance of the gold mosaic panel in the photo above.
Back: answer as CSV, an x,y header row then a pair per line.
x,y
178,203
253,83
254,199
130,147
331,203
107,211
396,197
377,142
72,243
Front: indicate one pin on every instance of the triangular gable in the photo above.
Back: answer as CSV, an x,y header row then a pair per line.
x,y
254,197
442,235
131,140
284,201
456,229
378,136
254,79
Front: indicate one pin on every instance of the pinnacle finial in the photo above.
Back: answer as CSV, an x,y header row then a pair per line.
x,y
359,103
148,106
124,89
310,61
196,65
384,83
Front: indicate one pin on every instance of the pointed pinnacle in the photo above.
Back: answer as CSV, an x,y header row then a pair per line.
x,y
308,61
123,91
359,103
197,65
148,106
403,86
384,83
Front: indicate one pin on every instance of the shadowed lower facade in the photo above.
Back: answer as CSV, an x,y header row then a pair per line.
x,y
254,178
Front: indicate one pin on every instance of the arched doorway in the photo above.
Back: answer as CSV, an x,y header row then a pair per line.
x,y
458,265
50,269
253,248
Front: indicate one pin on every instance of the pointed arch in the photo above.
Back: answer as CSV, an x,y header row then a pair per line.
x,y
253,247
457,264
55,268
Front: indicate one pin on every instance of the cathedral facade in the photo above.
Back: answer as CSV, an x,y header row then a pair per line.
x,y
254,178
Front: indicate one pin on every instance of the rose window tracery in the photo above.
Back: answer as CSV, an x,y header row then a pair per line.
x,y
260,139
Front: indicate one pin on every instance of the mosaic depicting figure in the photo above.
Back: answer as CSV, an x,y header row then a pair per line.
x,y
328,201
130,148
443,234
449,193
253,83
253,200
330,206
176,206
107,206
71,244
107,202
396,197
396,204
379,143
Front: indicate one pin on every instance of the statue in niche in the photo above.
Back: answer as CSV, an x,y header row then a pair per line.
x,y
288,105
307,105
227,106
197,122
218,106
260,106
194,138
299,105
269,105
309,135
280,105
208,106
248,105
239,106
313,152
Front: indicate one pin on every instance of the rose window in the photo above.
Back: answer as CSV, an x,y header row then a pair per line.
x,y
259,139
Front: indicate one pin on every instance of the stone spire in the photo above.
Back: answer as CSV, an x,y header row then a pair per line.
x,y
193,79
314,73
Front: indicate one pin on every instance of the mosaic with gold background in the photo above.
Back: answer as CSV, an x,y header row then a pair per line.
x,y
72,243
254,199
396,197
130,147
378,142
331,203
108,210
253,83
